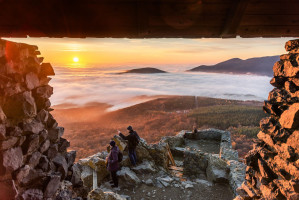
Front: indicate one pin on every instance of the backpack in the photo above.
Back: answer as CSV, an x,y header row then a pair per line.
x,y
137,138
120,156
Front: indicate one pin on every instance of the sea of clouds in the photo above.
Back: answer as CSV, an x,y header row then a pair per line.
x,y
106,85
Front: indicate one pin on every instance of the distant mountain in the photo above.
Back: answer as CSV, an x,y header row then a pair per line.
x,y
258,66
145,70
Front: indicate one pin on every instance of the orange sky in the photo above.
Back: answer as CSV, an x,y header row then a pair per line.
x,y
152,51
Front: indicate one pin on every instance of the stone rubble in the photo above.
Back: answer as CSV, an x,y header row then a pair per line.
x,y
33,155
272,170
216,168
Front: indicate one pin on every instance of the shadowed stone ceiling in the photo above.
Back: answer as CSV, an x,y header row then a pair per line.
x,y
149,18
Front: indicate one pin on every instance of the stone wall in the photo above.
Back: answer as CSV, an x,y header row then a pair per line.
x,y
273,166
33,155
223,167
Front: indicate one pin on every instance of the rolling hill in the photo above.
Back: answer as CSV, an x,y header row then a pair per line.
x,y
145,70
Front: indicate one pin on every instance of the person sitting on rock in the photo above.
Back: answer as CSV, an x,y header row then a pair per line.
x,y
133,140
194,129
113,165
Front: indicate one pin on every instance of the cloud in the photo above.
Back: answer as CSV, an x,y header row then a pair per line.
x,y
81,86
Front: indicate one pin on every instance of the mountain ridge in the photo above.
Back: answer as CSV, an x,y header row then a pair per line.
x,y
257,65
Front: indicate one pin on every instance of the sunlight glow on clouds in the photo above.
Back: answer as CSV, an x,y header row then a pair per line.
x,y
153,51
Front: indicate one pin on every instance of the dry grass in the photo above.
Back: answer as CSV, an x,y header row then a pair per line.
x,y
90,128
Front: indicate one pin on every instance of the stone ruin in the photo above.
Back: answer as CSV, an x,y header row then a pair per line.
x,y
35,163
33,155
195,166
272,166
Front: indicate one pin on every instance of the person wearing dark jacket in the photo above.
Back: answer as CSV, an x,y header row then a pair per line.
x,y
133,139
113,163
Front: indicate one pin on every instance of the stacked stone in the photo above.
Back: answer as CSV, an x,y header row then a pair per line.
x,y
272,166
33,155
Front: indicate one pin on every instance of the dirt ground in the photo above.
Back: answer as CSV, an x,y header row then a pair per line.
x,y
208,146
202,189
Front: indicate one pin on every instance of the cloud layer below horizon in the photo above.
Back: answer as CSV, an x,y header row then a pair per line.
x,y
81,86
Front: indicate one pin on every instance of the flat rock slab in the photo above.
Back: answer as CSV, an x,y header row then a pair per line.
x,y
128,176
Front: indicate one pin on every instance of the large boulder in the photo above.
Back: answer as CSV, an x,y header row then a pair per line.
x,y
43,92
42,116
46,70
34,178
31,80
31,144
95,163
33,127
293,141
45,146
292,45
142,153
217,170
144,168
14,131
20,106
63,144
127,176
76,174
159,153
22,173
55,134
100,194
195,162
13,158
52,186
61,165
34,159
87,176
290,118
8,143
44,163
70,158
52,151
121,143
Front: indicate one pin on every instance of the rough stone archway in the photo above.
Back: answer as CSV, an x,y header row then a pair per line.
x,y
34,158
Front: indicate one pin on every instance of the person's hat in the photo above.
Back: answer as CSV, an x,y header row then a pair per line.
x,y
130,128
112,143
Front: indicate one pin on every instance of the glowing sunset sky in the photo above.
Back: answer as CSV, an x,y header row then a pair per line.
x,y
153,51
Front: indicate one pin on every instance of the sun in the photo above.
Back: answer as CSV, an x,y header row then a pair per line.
x,y
76,59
